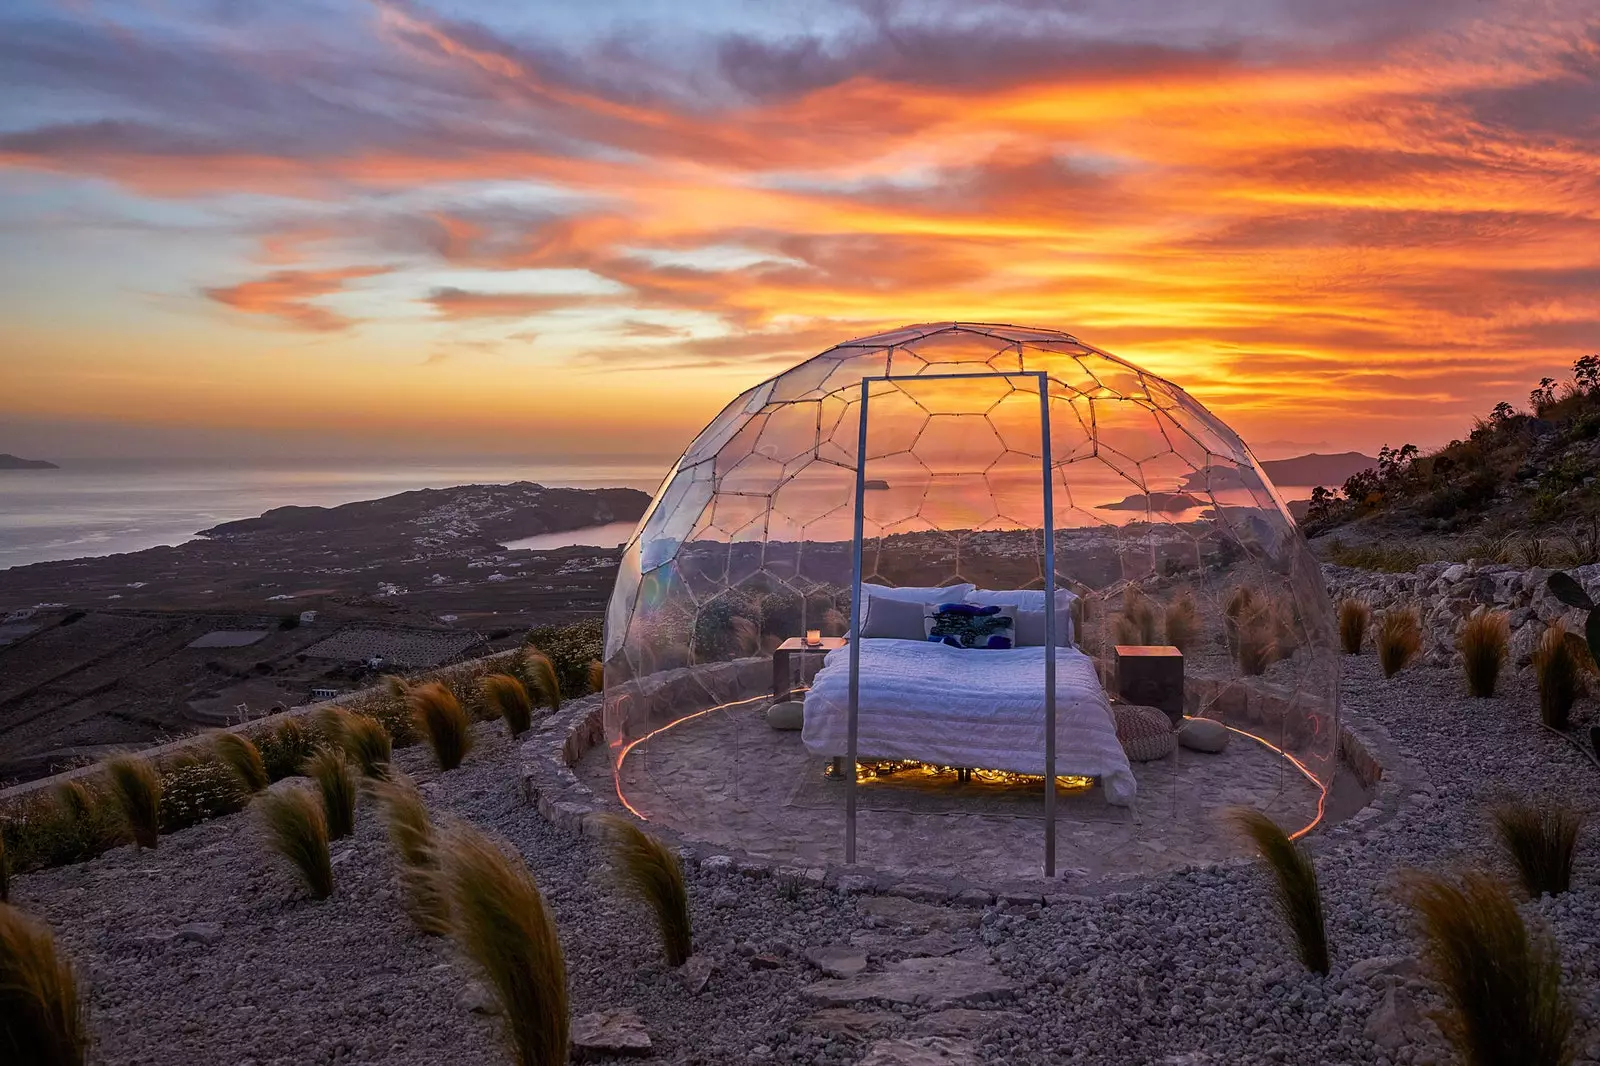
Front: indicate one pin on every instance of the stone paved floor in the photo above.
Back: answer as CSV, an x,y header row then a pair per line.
x,y
728,778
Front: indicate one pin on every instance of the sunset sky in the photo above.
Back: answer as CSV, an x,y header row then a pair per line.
x,y
577,229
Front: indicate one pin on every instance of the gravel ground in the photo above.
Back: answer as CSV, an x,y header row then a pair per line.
x,y
206,952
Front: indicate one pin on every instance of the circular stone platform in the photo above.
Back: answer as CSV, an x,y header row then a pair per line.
x,y
728,779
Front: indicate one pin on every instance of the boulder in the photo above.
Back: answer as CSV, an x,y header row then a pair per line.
x,y
788,715
618,1031
922,1051
1203,734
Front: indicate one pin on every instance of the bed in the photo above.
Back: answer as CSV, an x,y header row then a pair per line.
x,y
968,708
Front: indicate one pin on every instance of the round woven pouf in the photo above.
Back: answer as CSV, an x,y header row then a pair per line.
x,y
1145,733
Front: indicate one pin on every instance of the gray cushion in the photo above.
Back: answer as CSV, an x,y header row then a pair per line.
x,y
1203,734
788,715
919,593
894,619
1030,628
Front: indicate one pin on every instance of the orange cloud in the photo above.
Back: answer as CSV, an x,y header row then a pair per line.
x,y
287,295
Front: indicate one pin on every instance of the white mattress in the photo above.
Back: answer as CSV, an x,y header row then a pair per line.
x,y
959,707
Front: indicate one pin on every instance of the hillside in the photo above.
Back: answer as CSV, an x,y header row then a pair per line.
x,y
16,462
1523,478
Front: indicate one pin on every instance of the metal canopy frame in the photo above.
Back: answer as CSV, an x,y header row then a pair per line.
x,y
856,602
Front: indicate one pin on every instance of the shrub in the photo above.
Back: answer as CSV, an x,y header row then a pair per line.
x,y
394,714
1484,642
509,698
1182,621
1399,638
1501,984
1540,839
5,872
571,648
651,871
75,799
597,676
443,722
297,829
41,1014
1137,624
238,754
285,749
411,833
196,789
368,743
46,831
1560,675
136,788
1257,644
1354,617
544,684
330,770
1298,898
499,919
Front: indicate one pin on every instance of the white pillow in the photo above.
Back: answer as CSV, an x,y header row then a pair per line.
x,y
1032,600
1030,628
936,594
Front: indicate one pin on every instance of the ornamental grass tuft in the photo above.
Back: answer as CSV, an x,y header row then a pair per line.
x,y
1298,898
1182,621
1354,618
41,1013
297,829
1399,638
238,754
412,835
443,722
1484,642
136,789
597,676
500,921
543,682
285,749
1501,983
5,871
368,743
1541,839
1560,675
508,697
330,770
651,871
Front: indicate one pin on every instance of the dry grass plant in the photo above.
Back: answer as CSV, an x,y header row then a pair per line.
x,y
650,870
239,755
368,743
1182,621
1295,890
297,829
500,921
330,770
1399,639
1354,618
41,1014
507,697
285,748
5,872
1540,839
1501,983
544,685
412,835
1560,676
136,788
443,722
1484,641
597,676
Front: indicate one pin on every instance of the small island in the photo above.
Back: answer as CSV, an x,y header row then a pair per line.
x,y
16,462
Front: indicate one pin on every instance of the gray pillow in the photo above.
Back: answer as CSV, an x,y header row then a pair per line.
x,y
1030,628
894,619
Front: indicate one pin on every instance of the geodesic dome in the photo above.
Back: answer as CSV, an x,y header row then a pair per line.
x,y
986,450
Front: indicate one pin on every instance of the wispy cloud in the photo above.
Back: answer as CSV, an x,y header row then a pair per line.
x,y
287,295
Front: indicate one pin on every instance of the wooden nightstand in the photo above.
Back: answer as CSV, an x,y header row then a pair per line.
x,y
782,677
1151,675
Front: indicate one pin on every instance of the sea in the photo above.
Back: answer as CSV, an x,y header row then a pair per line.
x,y
95,507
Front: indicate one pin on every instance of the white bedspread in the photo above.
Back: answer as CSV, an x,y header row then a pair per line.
x,y
959,707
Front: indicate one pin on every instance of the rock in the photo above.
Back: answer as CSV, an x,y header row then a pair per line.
x,y
618,1031
838,960
477,999
922,1051
200,932
845,1022
766,962
1367,970
896,910
1453,573
788,715
856,884
961,1021
1396,1022
1203,734
696,972
936,983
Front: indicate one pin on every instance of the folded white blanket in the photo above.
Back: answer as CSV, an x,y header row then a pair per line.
x,y
959,707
